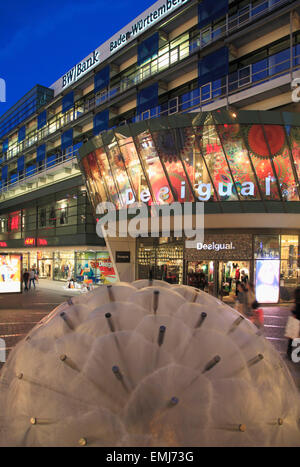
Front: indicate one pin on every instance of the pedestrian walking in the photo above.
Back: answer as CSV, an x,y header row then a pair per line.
x,y
257,317
32,278
240,292
26,279
249,299
293,325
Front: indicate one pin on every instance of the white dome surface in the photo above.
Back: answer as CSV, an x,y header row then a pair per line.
x,y
147,364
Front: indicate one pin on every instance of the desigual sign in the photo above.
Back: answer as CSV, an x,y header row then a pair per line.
x,y
215,246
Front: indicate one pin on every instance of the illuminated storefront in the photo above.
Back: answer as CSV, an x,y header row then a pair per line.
x,y
63,265
235,163
216,157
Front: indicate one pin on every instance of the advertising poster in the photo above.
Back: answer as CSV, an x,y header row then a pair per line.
x,y
267,281
10,273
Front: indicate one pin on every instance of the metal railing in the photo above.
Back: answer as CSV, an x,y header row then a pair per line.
x,y
156,65
39,170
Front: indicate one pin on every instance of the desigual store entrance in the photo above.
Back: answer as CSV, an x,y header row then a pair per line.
x,y
219,263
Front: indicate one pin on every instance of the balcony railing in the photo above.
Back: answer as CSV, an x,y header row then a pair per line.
x,y
30,174
157,64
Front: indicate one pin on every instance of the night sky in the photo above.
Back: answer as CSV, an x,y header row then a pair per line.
x,y
40,40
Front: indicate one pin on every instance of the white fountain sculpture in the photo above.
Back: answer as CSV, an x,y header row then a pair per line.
x,y
147,364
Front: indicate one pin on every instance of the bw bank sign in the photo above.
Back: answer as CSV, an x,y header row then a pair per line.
x,y
2,90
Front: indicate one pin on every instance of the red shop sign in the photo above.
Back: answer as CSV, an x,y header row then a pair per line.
x,y
29,242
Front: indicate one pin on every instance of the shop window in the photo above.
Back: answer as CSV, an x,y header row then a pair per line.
x,y
52,216
42,217
95,267
266,247
289,269
3,224
63,216
14,221
64,263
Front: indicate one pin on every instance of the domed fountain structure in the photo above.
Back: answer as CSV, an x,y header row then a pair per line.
x,y
147,364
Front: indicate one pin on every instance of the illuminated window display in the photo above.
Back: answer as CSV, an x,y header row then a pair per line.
x,y
196,157
95,267
63,265
10,273
289,268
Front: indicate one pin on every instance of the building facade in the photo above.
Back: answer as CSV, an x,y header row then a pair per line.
x,y
178,57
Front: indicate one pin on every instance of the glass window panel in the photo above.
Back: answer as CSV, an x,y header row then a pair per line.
x,y
201,181
89,180
294,137
116,161
259,153
97,177
279,62
260,70
206,92
266,247
168,149
289,271
217,165
108,176
219,87
282,163
154,169
133,165
237,156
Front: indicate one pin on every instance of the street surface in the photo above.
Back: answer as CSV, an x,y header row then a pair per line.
x,y
20,313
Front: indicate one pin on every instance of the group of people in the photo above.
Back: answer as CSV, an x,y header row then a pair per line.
x,y
29,278
247,305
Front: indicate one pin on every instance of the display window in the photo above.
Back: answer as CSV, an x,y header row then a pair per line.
x,y
94,267
259,152
170,148
200,274
64,263
289,266
266,247
169,264
108,176
133,166
239,161
217,165
154,169
230,274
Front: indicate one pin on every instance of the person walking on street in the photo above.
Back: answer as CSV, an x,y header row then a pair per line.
x,y
295,314
31,278
26,279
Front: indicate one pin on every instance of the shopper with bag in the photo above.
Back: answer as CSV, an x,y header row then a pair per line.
x,y
292,330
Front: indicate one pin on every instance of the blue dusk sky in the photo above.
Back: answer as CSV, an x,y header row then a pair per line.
x,y
40,40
